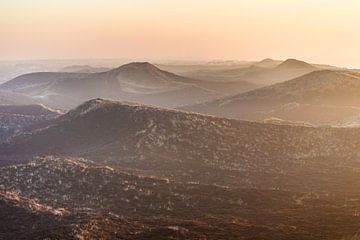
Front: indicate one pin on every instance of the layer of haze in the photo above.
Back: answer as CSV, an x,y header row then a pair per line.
x,y
322,31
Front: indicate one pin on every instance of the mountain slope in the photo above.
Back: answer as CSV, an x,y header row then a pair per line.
x,y
11,98
320,97
23,218
13,118
140,82
266,72
192,147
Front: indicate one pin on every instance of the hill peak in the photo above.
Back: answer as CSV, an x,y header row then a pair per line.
x,y
267,63
267,60
100,104
89,106
294,63
137,66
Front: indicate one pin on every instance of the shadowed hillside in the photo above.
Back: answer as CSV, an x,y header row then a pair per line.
x,y
192,147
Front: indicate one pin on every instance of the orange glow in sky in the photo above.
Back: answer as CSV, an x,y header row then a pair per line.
x,y
322,31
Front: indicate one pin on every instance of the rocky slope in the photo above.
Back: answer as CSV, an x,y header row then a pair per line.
x,y
87,201
193,147
14,118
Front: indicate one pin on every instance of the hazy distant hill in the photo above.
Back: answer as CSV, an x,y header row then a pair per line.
x,y
267,63
190,67
265,72
140,82
320,97
11,98
11,69
84,69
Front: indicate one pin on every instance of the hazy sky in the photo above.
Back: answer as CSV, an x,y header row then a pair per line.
x,y
326,31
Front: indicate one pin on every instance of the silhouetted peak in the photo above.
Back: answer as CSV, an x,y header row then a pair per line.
x,y
267,60
100,104
294,63
137,66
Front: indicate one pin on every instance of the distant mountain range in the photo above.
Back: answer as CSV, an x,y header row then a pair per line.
x,y
140,82
145,83
84,69
220,156
265,72
302,92
320,97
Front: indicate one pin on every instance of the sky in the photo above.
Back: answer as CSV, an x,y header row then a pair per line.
x,y
318,31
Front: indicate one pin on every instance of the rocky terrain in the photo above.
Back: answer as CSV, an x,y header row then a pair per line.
x,y
37,221
14,118
324,97
122,170
191,147
78,199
